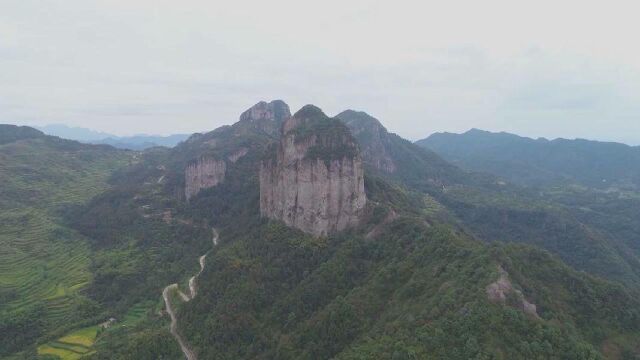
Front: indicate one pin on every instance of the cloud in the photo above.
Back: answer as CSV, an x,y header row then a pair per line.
x,y
161,66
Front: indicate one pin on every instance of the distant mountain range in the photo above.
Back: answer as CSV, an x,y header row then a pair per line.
x,y
136,142
540,161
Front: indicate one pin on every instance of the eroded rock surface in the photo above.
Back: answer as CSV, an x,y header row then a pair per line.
x,y
315,181
204,173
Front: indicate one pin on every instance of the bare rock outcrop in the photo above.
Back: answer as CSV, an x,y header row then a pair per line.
x,y
266,117
204,173
502,290
315,181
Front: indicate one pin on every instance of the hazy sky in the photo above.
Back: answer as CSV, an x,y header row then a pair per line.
x,y
537,68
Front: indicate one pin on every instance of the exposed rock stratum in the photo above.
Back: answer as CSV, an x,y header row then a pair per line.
x,y
315,179
205,172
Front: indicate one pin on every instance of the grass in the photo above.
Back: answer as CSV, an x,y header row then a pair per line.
x,y
72,346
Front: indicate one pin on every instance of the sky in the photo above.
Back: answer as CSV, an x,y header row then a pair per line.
x,y
536,68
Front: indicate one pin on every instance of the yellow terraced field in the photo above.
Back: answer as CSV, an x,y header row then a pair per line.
x,y
84,337
72,346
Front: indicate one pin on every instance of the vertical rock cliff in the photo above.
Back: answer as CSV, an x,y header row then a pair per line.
x,y
315,180
213,156
204,173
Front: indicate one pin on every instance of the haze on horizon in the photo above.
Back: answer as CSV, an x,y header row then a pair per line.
x,y
546,68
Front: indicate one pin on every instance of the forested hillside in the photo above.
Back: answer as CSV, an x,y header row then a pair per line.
x,y
440,263
492,209
586,195
410,289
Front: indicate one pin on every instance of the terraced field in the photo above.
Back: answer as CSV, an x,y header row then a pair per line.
x,y
79,343
73,346
43,263
136,314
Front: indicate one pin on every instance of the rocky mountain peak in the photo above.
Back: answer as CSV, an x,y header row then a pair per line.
x,y
315,181
266,116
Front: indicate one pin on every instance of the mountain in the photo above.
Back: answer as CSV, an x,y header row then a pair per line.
x,y
74,133
137,142
494,210
397,158
540,162
406,281
309,237
591,187
141,142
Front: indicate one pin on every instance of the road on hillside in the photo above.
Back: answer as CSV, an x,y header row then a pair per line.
x,y
173,328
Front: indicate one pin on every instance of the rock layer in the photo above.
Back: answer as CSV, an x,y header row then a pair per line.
x,y
315,182
204,173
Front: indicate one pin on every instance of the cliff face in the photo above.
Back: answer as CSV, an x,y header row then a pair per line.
x,y
204,173
211,156
315,181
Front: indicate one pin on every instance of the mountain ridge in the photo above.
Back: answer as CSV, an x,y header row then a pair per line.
x,y
540,161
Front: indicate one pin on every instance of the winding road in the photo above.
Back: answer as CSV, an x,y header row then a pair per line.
x,y
173,328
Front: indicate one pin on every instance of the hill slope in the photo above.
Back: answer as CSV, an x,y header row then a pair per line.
x,y
590,186
44,264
